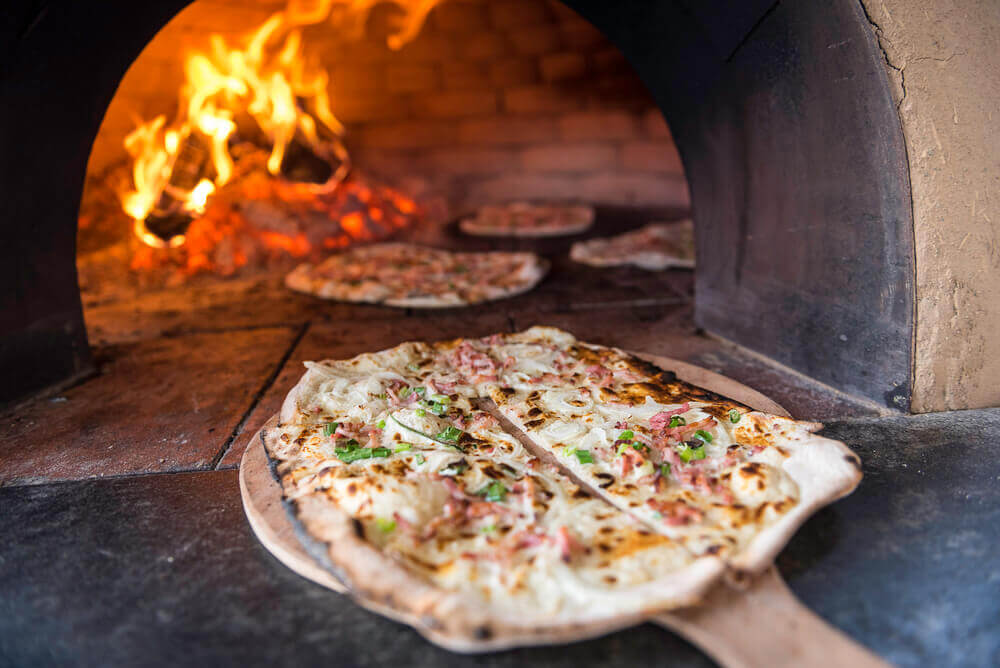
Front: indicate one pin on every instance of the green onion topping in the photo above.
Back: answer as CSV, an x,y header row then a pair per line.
x,y
450,435
405,392
489,528
584,456
665,469
352,452
403,447
626,435
385,525
438,438
454,469
441,398
691,450
677,421
330,428
381,424
704,435
420,390
420,459
734,416
413,366
420,412
495,491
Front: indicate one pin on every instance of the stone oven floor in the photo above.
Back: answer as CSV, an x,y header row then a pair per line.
x,y
125,540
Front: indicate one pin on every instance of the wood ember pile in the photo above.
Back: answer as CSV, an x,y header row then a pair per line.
x,y
255,222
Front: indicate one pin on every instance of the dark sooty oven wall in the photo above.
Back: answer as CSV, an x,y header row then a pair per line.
x,y
799,185
782,114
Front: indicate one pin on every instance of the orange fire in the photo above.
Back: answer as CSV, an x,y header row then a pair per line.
x,y
178,168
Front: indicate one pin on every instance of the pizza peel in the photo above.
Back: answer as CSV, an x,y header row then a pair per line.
x,y
759,624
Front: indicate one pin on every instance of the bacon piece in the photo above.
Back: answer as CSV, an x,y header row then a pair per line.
x,y
545,378
676,513
477,366
348,430
567,544
630,458
626,375
603,375
661,420
484,420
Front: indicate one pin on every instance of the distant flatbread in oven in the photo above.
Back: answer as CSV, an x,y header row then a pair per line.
x,y
523,219
655,247
429,511
399,274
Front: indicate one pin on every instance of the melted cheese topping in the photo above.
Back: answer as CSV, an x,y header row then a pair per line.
x,y
395,439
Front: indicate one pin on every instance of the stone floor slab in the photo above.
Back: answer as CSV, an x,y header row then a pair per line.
x,y
165,405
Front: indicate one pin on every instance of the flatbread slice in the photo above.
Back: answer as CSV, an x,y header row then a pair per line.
x,y
523,219
655,247
408,275
468,533
699,468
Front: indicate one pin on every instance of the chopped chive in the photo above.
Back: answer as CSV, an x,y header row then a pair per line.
x,y
623,447
403,447
584,456
420,459
381,395
677,421
689,450
381,424
330,428
420,390
626,435
450,434
354,453
734,416
489,528
638,445
413,366
385,525
420,412
441,398
665,469
704,435
454,469
453,444
495,492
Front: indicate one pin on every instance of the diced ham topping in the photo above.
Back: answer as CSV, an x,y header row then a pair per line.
x,y
348,430
477,366
545,378
483,420
630,458
603,375
567,544
661,420
676,513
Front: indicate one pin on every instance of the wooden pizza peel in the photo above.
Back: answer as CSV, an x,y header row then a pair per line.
x,y
759,625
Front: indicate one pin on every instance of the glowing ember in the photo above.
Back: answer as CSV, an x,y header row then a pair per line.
x,y
179,169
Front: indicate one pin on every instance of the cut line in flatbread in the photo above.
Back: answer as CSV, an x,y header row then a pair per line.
x,y
654,247
413,276
524,219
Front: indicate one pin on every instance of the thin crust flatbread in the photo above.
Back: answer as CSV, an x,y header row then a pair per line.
x,y
522,219
654,247
408,275
422,504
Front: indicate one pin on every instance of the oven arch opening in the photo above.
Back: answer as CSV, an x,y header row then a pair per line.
x,y
773,185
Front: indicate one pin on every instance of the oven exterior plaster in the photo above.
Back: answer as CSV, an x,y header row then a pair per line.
x,y
944,61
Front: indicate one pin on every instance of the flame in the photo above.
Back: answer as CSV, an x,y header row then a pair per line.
x,y
177,167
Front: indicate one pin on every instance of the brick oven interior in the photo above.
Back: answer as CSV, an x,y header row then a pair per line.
x,y
135,453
